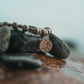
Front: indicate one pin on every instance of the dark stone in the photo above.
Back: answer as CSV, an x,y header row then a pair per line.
x,y
20,61
21,42
4,38
60,49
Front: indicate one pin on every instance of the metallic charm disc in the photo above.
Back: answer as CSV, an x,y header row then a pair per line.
x,y
45,45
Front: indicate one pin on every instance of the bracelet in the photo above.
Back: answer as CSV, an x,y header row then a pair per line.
x,y
45,45
44,32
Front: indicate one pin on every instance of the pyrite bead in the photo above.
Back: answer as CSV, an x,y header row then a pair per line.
x,y
15,25
25,28
49,30
36,30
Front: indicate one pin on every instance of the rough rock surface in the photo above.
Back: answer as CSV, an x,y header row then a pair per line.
x,y
4,38
21,42
53,72
60,49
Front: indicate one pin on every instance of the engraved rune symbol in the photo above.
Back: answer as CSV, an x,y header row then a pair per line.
x,y
45,45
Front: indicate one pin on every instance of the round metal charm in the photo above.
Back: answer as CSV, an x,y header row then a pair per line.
x,y
45,45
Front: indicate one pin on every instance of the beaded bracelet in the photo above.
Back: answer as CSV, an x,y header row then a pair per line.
x,y
45,45
46,31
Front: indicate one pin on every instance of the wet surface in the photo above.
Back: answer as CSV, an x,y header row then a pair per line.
x,y
53,71
75,69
